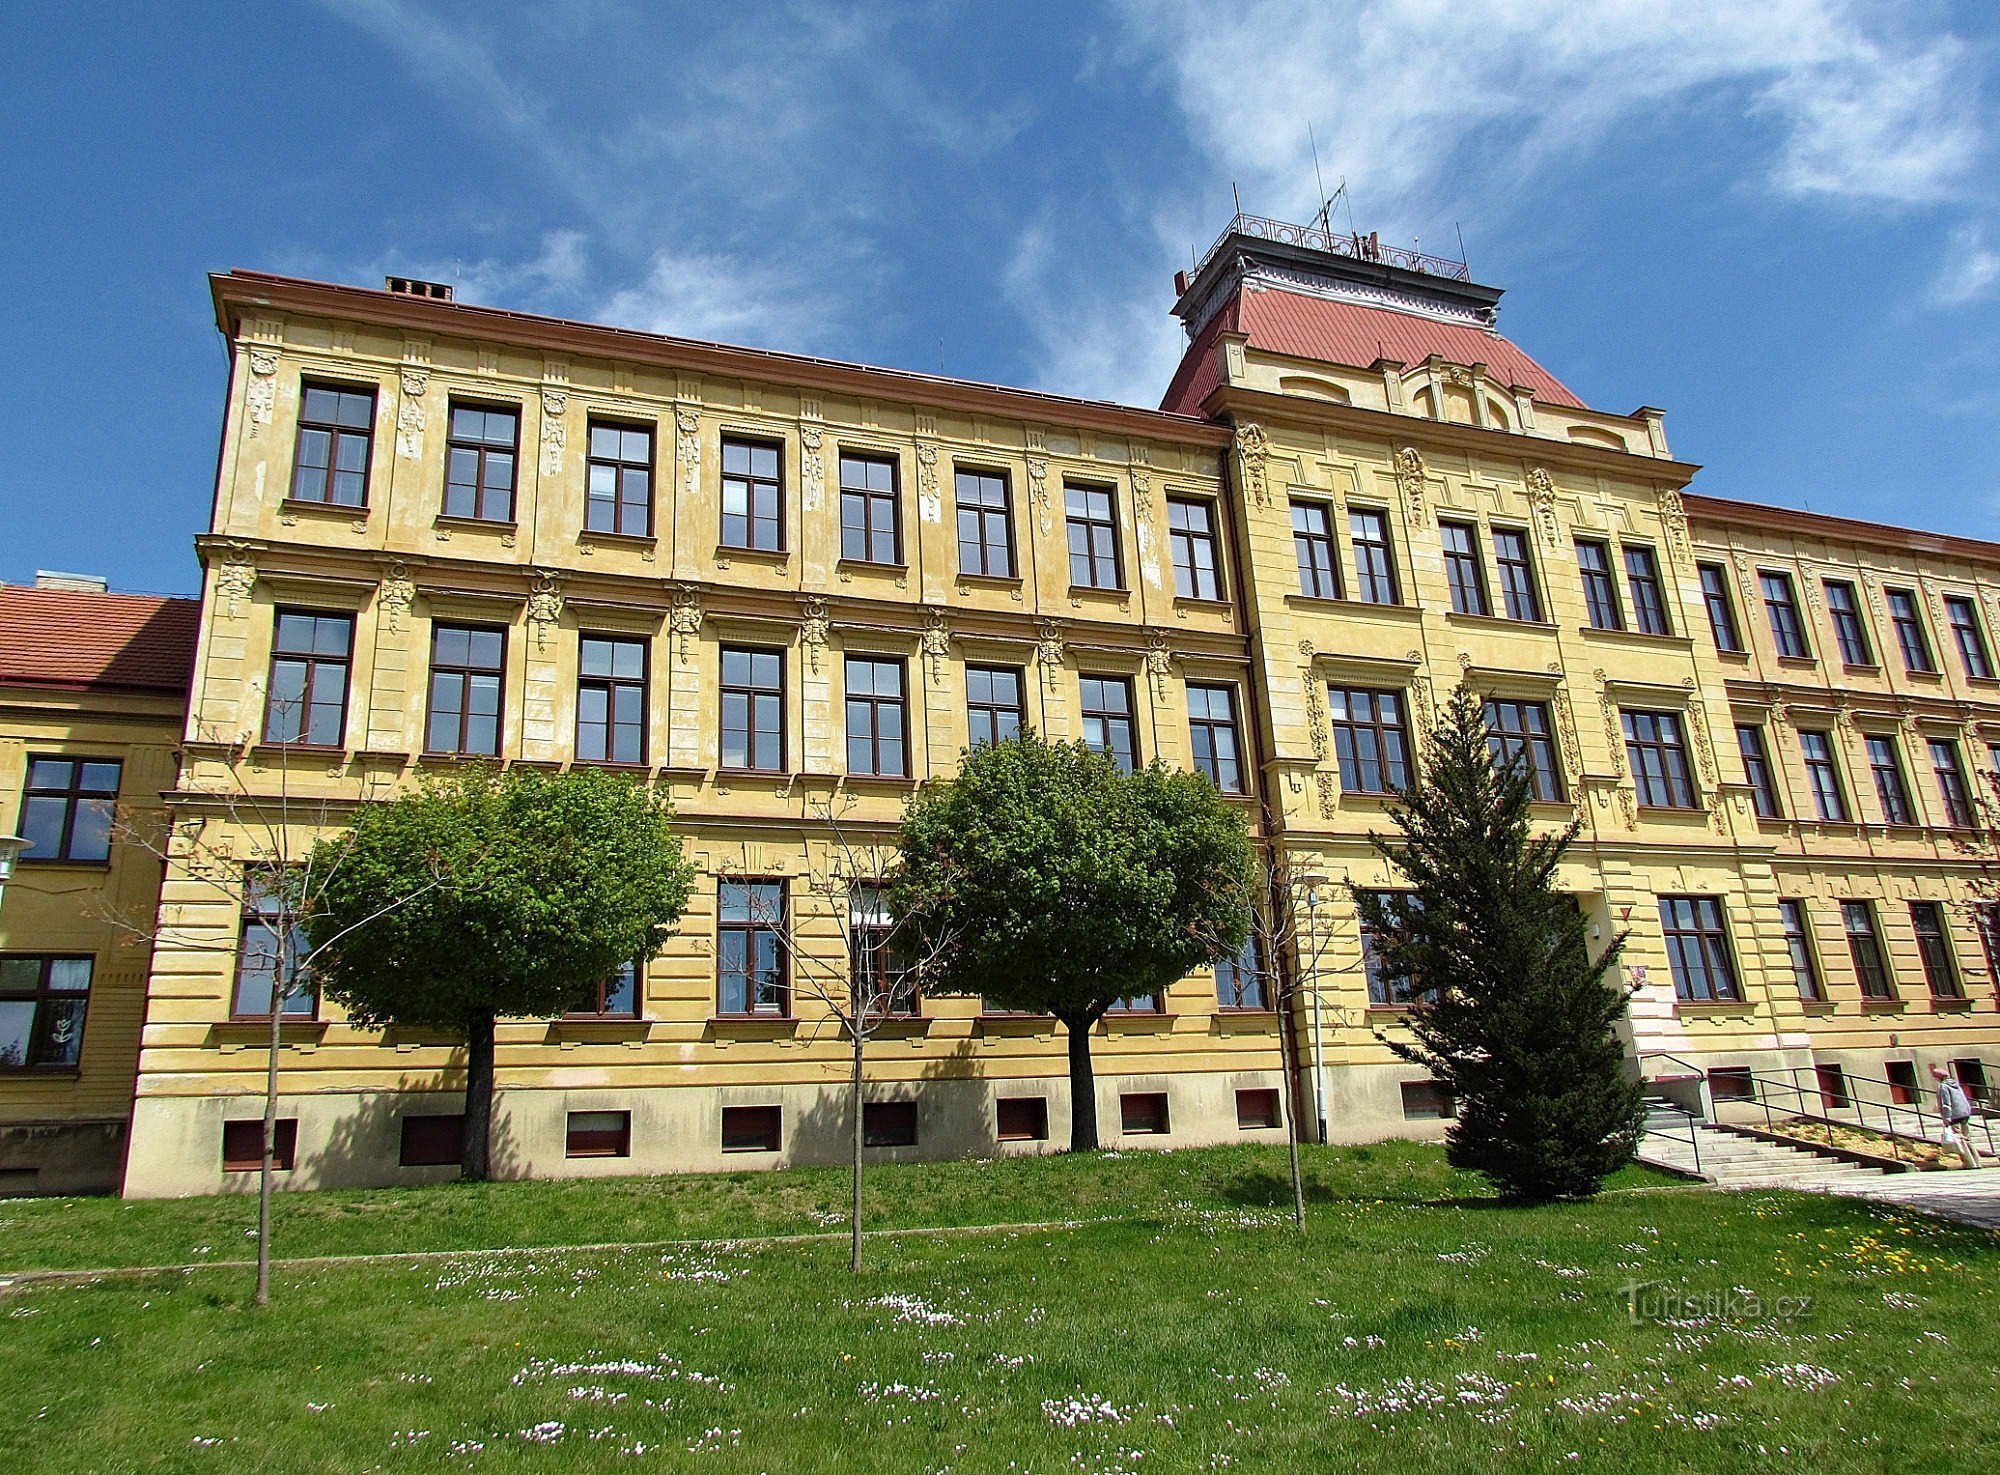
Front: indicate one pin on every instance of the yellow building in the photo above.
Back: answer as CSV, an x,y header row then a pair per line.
x,y
787,590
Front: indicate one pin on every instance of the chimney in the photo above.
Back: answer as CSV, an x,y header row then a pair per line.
x,y
72,583
414,287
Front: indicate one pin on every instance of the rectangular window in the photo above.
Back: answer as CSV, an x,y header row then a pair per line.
x,y
1153,1003
1312,540
994,712
1257,1109
616,997
1832,1087
1732,1083
752,1128
1823,776
1781,607
1887,767
42,1005
1799,948
870,517
1600,590
1021,1119
1952,787
1518,733
1698,951
1849,630
1903,1085
620,486
878,966
306,700
467,665
753,502
1659,759
434,1141
1864,947
985,524
1971,1074
243,1145
1386,988
1934,949
1107,719
336,440
67,809
889,1124
876,736
1721,609
1757,771
1191,534
1092,517
1970,639
260,959
1462,569
598,1134
1143,1113
750,948
1239,981
1518,591
1369,739
610,700
753,710
1911,637
1427,1101
480,455
1649,601
1212,732
1374,559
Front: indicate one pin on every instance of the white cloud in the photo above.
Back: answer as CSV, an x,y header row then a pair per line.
x,y
1971,269
729,299
1091,340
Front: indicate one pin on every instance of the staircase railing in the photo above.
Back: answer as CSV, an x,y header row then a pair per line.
x,y
1681,1118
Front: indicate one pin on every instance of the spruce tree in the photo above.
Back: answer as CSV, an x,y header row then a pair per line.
x,y
1514,1017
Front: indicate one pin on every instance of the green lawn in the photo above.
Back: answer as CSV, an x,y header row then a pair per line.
x,y
1414,1327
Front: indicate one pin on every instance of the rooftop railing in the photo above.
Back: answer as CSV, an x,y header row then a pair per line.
x,y
1356,247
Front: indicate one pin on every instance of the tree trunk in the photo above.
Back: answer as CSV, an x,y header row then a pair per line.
x,y
475,1159
267,1168
854,1208
1082,1086
1288,1064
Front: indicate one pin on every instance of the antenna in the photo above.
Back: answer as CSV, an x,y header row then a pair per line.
x,y
1319,182
1461,247
1238,199
1349,201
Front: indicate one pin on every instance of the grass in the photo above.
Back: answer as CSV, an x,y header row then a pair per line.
x,y
1415,1327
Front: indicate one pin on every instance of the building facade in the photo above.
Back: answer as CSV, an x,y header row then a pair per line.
x,y
791,591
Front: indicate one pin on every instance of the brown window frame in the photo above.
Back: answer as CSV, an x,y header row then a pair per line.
x,y
1935,951
1781,613
465,675
73,796
1823,780
601,995
619,466
1192,540
1109,717
1797,927
1850,629
310,663
1388,737
752,927
751,694
868,498
1371,580
1091,523
1257,1109
990,710
1757,771
872,951
751,482
1892,789
1721,606
336,431
41,1023
1464,570
1948,767
1520,589
1673,775
430,1139
1243,983
482,452
1602,607
1650,615
1388,990
1969,635
1700,923
889,1124
1208,728
1872,971
1537,745
1144,1114
255,916
1007,1123
874,703
611,686
1308,544
756,1129
245,1153
985,517
593,1138
1913,640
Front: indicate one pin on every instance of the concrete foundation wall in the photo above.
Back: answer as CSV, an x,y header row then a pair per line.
x,y
61,1157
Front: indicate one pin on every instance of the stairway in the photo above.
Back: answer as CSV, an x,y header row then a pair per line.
x,y
1732,1161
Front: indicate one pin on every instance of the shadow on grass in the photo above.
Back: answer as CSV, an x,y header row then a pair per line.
x,y
1261,1189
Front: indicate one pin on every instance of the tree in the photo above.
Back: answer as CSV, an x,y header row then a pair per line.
x,y
1057,885
1514,1017
551,882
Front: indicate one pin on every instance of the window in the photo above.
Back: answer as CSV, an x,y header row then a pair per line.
x,y
1649,602
243,1145
1963,616
753,508
1212,731
616,997
1832,1081
1903,1086
1887,767
1971,1074
1600,591
1518,733
620,498
1191,532
1517,575
434,1141
1823,775
1934,949
610,700
1427,1101
993,709
1952,787
1107,719
1143,1113
753,710
1844,609
1721,609
1374,561
1659,759
1369,740
261,961
1799,948
466,666
1732,1083
1911,637
877,964
1698,949
479,462
306,700
336,437
875,731
1864,946
870,525
750,948
598,1134
1986,920
67,809
1021,1119
42,1004
752,1128
985,524
1093,538
1387,988
1757,771
1153,1003
1257,1108
1781,607
1312,540
1462,570
889,1124
1239,981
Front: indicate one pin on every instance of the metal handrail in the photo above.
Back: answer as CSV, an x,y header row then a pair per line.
x,y
1359,247
1693,1125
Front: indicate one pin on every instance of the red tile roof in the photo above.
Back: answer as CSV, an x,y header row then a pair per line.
x,y
1353,334
73,640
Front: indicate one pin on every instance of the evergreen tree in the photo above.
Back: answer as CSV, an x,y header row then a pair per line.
x,y
1515,1018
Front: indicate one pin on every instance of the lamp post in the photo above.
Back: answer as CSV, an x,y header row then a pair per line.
x,y
1312,882
11,847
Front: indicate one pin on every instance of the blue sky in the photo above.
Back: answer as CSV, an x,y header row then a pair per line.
x,y
1781,222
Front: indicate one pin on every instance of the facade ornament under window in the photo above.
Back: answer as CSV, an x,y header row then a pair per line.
x,y
1038,489
1254,446
395,594
1673,512
1049,648
410,419
687,449
545,603
684,618
1542,497
935,642
1410,482
930,507
237,576
555,404
815,628
1614,733
262,391
1159,661
812,464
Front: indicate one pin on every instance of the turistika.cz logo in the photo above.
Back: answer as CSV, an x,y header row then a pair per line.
x,y
1654,1301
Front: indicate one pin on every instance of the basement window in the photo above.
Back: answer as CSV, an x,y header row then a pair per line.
x,y
432,1141
752,1128
1256,1108
1427,1101
599,1134
1021,1119
1731,1083
889,1124
1143,1113
243,1145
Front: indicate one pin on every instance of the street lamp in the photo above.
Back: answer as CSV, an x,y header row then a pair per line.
x,y
1312,883
11,847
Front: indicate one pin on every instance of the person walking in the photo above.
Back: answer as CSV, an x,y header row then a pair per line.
x,y
1955,1111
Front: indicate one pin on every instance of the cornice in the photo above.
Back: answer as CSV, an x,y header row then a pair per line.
x,y
1702,508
